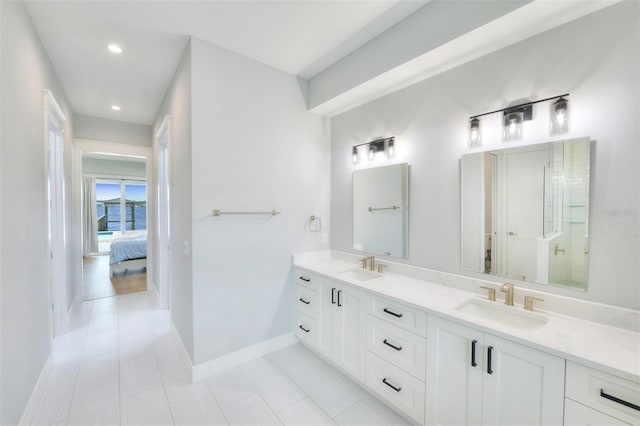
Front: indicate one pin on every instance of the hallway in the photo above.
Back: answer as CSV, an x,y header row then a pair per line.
x,y
121,365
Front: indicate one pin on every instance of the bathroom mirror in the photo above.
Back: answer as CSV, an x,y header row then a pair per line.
x,y
380,210
525,212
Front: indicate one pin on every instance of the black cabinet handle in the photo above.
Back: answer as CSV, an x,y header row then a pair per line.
x,y
489,353
392,313
333,296
306,302
304,278
473,353
339,293
619,401
397,348
306,330
390,385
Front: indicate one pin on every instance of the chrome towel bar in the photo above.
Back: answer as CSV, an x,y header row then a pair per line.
x,y
217,212
384,208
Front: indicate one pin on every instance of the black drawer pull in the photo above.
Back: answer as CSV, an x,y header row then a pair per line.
x,y
489,353
619,401
303,278
339,293
473,353
397,348
333,296
306,302
392,313
390,385
306,330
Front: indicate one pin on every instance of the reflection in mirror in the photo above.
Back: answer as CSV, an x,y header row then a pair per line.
x,y
380,206
524,212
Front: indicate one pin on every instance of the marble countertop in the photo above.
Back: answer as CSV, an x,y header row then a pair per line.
x,y
612,349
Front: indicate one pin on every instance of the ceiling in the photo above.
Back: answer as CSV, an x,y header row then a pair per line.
x,y
297,37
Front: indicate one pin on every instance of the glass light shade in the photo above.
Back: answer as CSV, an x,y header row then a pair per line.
x,y
475,137
512,126
354,155
372,152
391,148
559,120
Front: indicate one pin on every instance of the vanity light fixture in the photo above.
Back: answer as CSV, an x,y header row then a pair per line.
x,y
514,116
386,145
559,116
475,138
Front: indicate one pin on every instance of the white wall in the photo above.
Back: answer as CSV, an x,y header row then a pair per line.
x,y
595,59
254,147
177,103
101,167
100,129
24,326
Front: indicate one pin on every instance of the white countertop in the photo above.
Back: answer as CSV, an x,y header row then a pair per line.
x,y
616,350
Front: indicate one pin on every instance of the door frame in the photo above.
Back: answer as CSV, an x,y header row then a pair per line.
x,y
162,142
86,146
55,214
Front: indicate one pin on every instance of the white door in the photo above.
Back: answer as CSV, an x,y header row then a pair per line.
x,y
326,335
524,210
163,222
454,373
350,331
522,386
56,222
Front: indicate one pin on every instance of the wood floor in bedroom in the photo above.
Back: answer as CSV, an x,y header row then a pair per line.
x,y
97,284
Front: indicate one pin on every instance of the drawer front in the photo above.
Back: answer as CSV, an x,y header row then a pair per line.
x,y
305,278
401,390
306,301
612,395
401,315
398,346
578,415
305,329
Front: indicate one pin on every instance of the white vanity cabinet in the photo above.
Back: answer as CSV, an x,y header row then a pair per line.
x,y
307,306
341,326
477,378
594,397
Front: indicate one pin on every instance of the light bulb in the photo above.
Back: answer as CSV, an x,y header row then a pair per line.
x,y
559,120
372,152
474,133
512,125
114,48
391,149
354,157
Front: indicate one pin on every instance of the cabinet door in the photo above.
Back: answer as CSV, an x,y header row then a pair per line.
x,y
525,386
576,414
454,384
350,331
326,331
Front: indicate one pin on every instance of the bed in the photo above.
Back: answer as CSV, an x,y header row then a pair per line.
x,y
128,251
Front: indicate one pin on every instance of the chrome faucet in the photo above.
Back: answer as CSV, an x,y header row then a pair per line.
x,y
372,265
507,288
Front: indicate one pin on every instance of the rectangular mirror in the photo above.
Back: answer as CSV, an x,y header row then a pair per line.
x,y
380,210
525,210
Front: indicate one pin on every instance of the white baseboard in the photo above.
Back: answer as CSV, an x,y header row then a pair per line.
x,y
30,410
225,362
184,354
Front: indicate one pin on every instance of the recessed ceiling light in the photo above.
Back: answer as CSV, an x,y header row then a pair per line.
x,y
115,107
114,48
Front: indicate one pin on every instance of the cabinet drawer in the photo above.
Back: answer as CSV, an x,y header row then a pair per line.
x,y
305,278
401,390
306,301
305,329
401,315
398,346
578,415
612,395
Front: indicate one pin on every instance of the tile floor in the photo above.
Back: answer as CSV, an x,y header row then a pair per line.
x,y
121,365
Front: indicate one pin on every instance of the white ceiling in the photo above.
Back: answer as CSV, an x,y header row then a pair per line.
x,y
298,37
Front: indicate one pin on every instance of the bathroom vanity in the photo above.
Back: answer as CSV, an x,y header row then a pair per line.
x,y
434,348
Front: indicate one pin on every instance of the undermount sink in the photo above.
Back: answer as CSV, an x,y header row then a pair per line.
x,y
496,312
357,274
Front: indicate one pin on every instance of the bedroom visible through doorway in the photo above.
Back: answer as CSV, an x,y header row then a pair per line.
x,y
115,225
